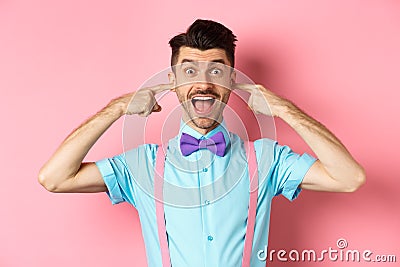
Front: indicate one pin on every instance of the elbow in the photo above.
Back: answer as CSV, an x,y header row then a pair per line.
x,y
47,183
357,180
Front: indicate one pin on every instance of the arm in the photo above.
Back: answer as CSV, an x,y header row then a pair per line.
x,y
335,170
65,171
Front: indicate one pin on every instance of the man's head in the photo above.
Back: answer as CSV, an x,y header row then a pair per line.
x,y
203,60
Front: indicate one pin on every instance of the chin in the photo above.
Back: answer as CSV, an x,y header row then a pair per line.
x,y
205,123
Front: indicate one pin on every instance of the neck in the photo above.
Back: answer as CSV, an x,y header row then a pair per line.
x,y
202,131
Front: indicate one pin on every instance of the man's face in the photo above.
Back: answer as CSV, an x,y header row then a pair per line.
x,y
203,80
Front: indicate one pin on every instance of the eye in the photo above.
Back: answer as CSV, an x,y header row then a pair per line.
x,y
216,71
189,71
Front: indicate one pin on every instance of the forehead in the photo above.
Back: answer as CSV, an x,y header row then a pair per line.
x,y
194,54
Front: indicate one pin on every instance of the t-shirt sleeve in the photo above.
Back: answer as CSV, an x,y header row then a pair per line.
x,y
282,169
119,173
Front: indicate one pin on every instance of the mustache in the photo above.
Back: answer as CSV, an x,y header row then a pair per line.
x,y
204,92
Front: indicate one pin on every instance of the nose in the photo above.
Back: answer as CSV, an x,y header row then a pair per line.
x,y
203,86
203,81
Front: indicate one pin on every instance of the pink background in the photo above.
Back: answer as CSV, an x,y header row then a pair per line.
x,y
61,61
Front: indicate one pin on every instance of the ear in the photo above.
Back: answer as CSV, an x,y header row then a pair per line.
x,y
171,78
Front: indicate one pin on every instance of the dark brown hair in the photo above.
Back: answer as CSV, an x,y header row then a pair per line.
x,y
204,35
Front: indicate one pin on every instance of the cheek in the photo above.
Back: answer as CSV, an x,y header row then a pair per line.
x,y
182,92
225,93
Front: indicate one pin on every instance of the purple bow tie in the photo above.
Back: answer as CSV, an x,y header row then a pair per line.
x,y
215,144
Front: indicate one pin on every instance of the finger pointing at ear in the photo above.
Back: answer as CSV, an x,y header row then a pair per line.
x,y
143,101
244,87
160,88
262,100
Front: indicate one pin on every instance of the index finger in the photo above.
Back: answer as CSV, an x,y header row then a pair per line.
x,y
160,88
245,87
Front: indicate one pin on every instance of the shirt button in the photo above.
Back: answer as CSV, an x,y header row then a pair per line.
x,y
205,170
210,238
207,202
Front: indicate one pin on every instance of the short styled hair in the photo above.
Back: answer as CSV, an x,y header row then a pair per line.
x,y
204,35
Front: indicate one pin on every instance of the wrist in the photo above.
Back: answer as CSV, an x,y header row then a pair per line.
x,y
115,109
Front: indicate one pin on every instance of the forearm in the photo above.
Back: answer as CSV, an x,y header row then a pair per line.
x,y
335,158
67,160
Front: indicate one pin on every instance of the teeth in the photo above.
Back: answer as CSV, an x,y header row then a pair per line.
x,y
203,98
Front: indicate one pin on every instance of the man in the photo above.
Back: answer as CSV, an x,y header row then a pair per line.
x,y
211,229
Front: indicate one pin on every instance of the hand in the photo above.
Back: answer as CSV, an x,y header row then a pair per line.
x,y
141,102
262,100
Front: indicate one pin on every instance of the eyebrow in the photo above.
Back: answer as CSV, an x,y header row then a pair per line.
x,y
193,61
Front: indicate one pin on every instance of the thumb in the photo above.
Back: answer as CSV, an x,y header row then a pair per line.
x,y
156,107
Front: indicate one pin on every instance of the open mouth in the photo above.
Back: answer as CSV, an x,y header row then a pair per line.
x,y
203,104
